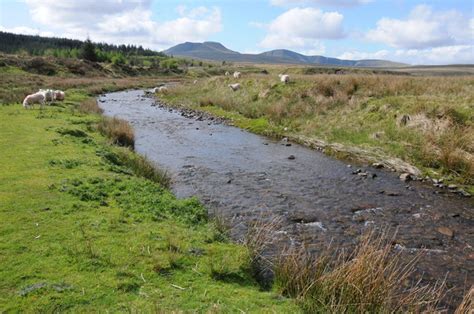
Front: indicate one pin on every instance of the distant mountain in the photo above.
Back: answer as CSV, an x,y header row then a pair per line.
x,y
218,52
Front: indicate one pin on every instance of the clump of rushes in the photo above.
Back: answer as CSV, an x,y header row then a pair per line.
x,y
90,106
118,130
369,280
258,241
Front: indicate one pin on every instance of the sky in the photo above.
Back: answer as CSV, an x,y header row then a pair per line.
x,y
410,31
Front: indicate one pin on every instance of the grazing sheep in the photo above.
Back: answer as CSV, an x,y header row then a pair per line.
x,y
48,94
59,95
30,100
234,87
161,89
227,73
237,74
284,78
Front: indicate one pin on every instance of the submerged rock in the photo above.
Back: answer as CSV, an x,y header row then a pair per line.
x,y
446,231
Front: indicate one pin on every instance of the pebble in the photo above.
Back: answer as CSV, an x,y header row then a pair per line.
x,y
363,174
291,157
446,231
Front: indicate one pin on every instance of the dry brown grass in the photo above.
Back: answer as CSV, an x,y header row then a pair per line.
x,y
90,106
258,240
118,130
371,279
467,304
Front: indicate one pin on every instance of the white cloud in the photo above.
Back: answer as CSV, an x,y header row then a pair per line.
x,y
358,55
458,54
124,21
26,30
341,3
302,29
424,29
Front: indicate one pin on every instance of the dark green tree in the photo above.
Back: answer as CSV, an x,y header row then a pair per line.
x,y
88,51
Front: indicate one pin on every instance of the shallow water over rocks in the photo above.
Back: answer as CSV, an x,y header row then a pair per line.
x,y
244,177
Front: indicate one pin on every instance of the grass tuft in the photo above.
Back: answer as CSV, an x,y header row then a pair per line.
x,y
90,106
143,167
118,130
371,279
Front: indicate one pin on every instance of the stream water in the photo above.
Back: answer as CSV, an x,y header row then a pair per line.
x,y
245,177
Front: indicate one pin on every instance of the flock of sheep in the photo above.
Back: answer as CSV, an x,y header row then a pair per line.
x,y
43,96
49,95
284,78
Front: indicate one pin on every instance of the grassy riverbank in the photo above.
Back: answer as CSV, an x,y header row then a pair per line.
x,y
89,226
425,121
81,232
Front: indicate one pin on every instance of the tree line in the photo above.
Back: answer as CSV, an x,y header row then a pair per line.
x,y
71,48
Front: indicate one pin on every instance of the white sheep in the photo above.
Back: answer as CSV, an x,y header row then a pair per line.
x,y
227,73
234,87
30,100
284,78
161,89
59,95
48,94
237,74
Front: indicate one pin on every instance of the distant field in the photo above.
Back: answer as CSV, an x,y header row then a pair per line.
x,y
441,70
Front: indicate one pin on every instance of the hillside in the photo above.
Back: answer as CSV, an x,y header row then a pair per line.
x,y
218,52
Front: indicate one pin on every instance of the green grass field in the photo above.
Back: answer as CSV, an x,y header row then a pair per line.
x,y
80,232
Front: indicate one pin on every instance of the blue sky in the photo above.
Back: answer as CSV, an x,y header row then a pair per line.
x,y
416,32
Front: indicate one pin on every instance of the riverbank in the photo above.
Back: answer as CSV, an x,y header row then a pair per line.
x,y
399,121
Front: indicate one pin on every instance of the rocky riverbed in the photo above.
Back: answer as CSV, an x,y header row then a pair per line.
x,y
245,177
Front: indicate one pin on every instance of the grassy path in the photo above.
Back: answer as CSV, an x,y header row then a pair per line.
x,y
80,232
